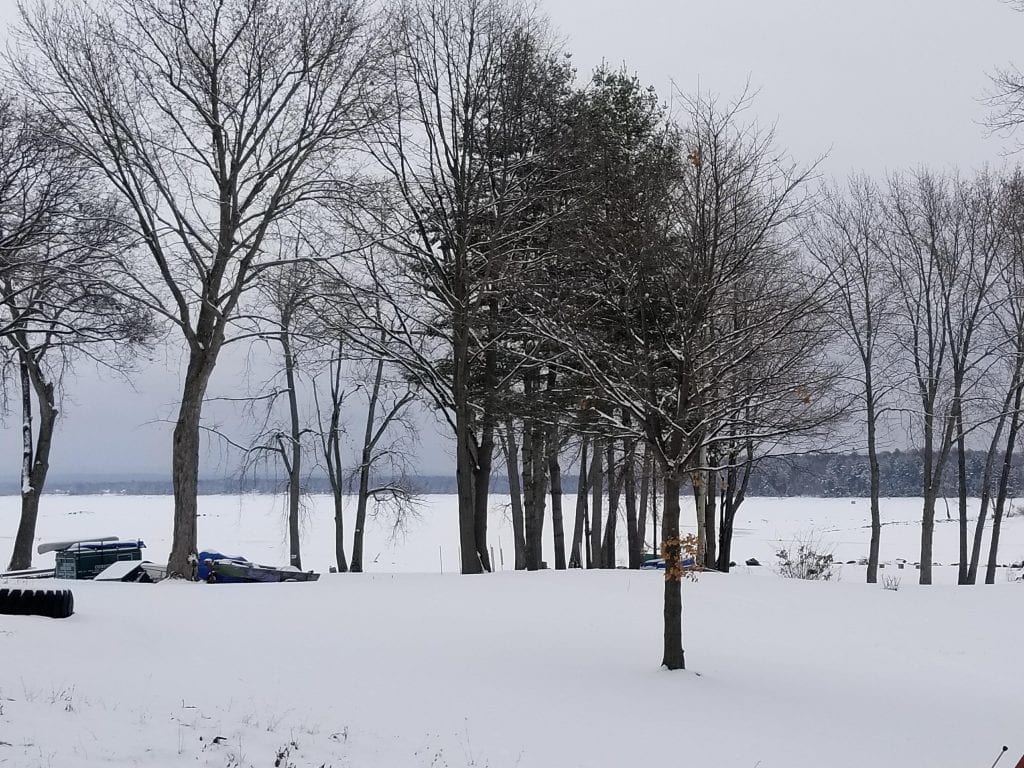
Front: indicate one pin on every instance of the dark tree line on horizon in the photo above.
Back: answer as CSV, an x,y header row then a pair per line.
x,y
813,474
425,202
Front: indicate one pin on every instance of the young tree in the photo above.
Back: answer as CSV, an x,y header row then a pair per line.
x,y
383,446
288,323
212,121
359,374
330,433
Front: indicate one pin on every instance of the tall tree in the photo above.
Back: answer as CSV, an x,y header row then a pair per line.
x,y
478,82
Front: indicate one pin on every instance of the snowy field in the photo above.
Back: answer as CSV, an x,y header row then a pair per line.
x,y
407,667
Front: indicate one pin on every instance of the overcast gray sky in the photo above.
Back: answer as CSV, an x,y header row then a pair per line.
x,y
879,85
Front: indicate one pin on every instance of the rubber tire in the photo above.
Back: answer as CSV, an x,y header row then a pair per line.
x,y
53,603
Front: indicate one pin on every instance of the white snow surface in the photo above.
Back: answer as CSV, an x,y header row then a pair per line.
x,y
509,669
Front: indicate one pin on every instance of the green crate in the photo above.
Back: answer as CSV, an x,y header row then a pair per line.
x,y
80,562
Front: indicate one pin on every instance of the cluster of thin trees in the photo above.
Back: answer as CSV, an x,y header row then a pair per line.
x,y
926,274
427,194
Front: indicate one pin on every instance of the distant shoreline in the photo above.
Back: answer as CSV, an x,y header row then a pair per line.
x,y
812,475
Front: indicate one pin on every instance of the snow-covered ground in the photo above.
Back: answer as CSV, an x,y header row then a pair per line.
x,y
510,669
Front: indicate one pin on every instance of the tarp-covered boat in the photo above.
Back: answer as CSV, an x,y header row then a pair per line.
x,y
215,568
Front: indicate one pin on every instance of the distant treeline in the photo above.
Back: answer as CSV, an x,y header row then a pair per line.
x,y
813,474
847,474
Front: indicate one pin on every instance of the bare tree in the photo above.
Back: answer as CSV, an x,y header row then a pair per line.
x,y
942,248
60,298
289,324
845,238
580,525
1010,331
387,406
359,375
330,433
212,121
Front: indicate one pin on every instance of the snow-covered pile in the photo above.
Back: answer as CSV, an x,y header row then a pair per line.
x,y
509,669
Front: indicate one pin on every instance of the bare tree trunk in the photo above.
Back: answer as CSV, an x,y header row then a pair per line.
x,y
515,492
986,490
579,526
294,462
185,466
634,542
927,534
338,495
645,485
481,490
330,447
534,467
673,657
1012,400
608,548
555,471
933,467
725,527
35,458
733,494
961,465
1004,482
337,498
700,502
928,509
465,450
654,507
540,490
710,527
365,464
362,504
875,480
484,453
597,501
529,521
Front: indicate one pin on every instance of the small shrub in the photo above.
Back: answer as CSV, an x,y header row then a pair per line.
x,y
805,560
891,583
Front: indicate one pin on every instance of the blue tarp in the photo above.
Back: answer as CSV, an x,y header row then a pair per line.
x,y
203,570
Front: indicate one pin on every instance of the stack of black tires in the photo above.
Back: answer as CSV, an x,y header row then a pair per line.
x,y
55,603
